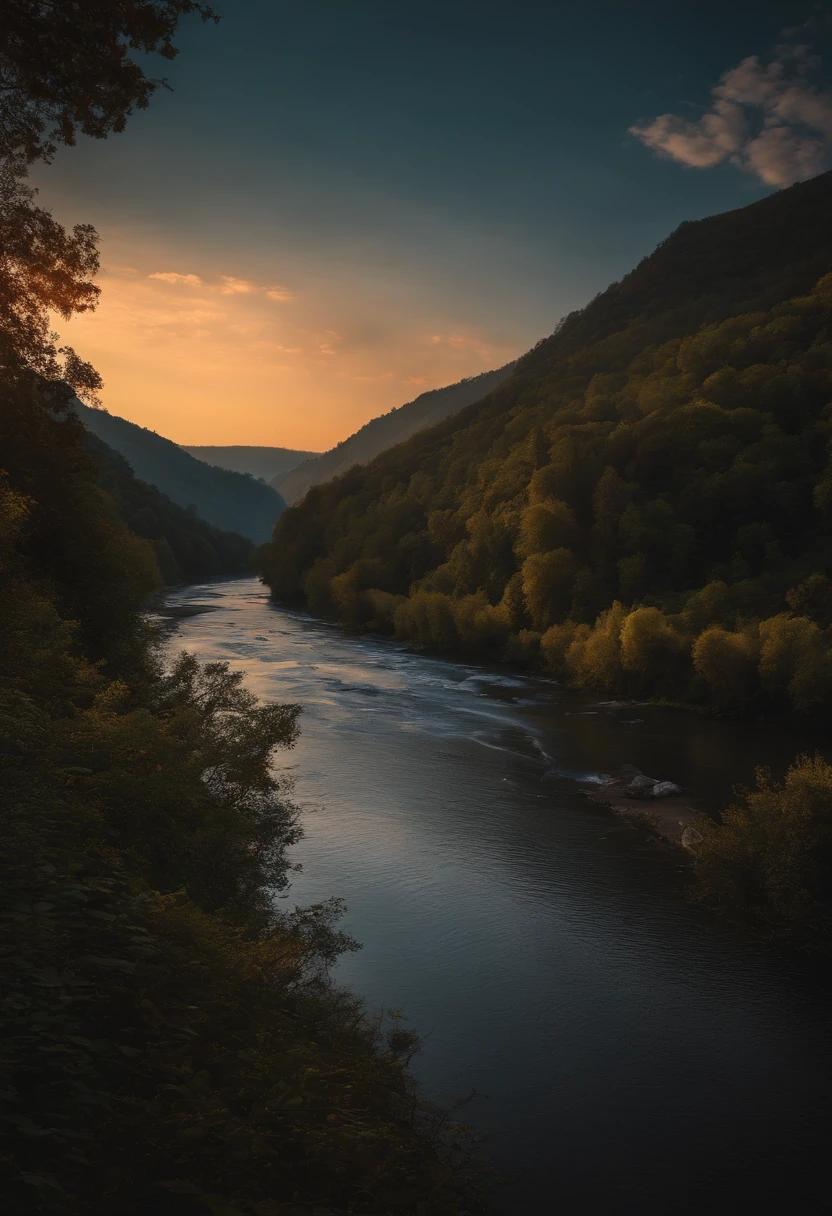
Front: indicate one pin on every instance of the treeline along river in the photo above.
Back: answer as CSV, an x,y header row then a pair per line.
x,y
628,1055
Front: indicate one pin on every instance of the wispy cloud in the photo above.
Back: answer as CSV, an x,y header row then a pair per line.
x,y
228,285
464,343
236,287
171,276
768,118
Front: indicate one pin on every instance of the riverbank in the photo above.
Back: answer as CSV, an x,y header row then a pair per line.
x,y
671,817
542,947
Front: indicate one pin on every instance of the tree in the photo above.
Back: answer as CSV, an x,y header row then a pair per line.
x,y
546,526
652,652
813,599
548,579
43,269
727,662
66,67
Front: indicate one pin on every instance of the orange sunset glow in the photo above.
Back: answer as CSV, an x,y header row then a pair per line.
x,y
217,358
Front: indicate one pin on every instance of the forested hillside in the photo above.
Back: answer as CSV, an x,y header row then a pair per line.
x,y
644,507
171,1042
234,502
382,433
185,546
262,462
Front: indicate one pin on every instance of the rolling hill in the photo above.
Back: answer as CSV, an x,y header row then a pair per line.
x,y
384,432
261,462
644,506
233,502
185,546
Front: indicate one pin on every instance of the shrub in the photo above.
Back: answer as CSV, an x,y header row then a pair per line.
x,y
770,858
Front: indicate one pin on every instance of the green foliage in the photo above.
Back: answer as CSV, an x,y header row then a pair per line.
x,y
171,1041
99,571
769,860
650,480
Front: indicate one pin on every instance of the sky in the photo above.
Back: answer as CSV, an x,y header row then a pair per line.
x,y
338,206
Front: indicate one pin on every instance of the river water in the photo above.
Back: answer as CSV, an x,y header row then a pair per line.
x,y
628,1056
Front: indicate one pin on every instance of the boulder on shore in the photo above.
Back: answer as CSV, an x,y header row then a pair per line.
x,y
668,814
641,787
691,838
665,789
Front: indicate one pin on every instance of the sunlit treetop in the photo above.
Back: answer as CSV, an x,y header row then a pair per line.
x,y
67,66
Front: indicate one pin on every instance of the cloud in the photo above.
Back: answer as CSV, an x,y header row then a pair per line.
x,y
170,276
768,119
464,344
228,285
236,287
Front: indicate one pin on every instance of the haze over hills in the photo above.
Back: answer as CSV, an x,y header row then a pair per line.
x,y
386,431
265,462
233,502
185,546
645,506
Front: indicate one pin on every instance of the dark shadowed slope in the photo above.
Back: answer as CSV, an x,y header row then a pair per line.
x,y
186,547
235,502
384,432
262,462
706,270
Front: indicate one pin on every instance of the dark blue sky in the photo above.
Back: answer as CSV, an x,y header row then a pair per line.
x,y
434,184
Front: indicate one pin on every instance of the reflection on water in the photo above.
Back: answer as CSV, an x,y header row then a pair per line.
x,y
628,1056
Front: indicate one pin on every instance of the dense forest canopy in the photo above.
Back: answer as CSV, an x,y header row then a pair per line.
x,y
645,506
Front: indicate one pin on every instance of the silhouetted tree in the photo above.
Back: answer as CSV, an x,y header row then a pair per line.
x,y
67,67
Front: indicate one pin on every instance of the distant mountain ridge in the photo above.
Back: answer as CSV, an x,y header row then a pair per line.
x,y
702,272
386,431
233,502
265,462
186,547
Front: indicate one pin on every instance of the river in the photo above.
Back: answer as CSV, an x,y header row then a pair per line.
x,y
628,1056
